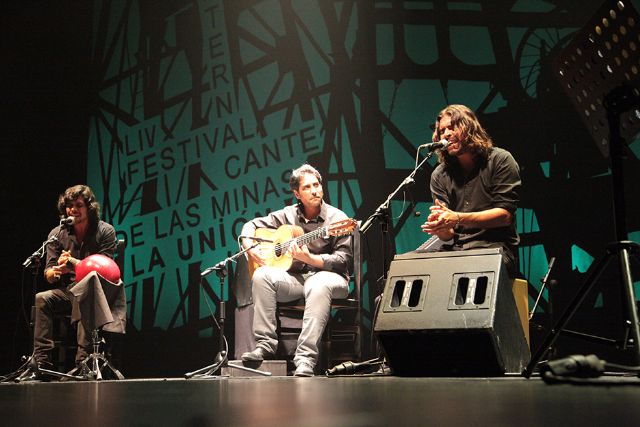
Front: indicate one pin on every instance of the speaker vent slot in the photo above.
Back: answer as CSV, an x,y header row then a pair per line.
x,y
480,295
462,290
398,291
416,291
405,293
472,291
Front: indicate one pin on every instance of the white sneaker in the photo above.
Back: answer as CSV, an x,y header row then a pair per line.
x,y
303,370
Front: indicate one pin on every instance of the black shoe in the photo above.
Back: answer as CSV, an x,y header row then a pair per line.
x,y
257,355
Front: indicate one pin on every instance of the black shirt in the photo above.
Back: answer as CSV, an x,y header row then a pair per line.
x,y
100,239
493,183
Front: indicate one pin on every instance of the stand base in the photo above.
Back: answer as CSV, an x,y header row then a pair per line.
x,y
238,368
94,367
32,372
221,363
621,251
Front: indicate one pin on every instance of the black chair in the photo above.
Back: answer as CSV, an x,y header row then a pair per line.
x,y
342,337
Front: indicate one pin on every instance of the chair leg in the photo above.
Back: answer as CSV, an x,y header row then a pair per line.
x,y
326,358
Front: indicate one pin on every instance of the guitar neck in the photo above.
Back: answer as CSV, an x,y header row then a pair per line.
x,y
339,228
307,238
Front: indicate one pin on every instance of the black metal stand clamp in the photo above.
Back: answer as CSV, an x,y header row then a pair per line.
x,y
382,213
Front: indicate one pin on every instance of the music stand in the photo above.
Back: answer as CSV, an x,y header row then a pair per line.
x,y
222,358
599,72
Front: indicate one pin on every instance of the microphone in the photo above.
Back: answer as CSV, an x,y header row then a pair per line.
x,y
39,253
221,266
576,365
257,239
350,368
432,146
68,221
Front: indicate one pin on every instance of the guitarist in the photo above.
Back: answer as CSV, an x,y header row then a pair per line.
x,y
319,272
474,188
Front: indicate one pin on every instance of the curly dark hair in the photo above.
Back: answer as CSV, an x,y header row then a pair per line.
x,y
474,137
72,193
296,175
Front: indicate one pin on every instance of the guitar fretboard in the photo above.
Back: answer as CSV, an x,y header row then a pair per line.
x,y
302,240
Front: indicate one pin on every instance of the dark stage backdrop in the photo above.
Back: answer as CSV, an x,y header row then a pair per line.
x,y
203,107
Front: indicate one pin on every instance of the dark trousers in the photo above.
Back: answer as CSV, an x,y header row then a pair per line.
x,y
49,303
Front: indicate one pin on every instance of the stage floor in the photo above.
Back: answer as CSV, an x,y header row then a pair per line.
x,y
322,401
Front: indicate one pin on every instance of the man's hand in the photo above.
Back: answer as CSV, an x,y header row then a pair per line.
x,y
441,217
440,221
257,256
66,262
54,274
301,253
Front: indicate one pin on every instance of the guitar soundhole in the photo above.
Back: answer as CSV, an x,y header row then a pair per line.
x,y
279,250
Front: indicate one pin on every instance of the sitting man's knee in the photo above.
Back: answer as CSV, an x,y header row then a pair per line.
x,y
318,290
41,299
263,277
259,276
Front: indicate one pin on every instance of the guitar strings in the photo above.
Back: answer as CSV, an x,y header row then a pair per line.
x,y
304,239
279,248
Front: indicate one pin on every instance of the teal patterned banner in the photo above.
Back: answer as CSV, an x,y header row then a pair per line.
x,y
205,106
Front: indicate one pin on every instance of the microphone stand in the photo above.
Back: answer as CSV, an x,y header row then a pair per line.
x,y
544,281
34,261
382,213
222,359
30,368
38,254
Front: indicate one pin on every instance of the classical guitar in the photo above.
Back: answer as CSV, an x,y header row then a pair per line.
x,y
276,251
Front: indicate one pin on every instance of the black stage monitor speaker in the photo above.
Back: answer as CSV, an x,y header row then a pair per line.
x,y
451,314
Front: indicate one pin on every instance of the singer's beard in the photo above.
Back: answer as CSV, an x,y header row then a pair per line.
x,y
80,220
462,149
